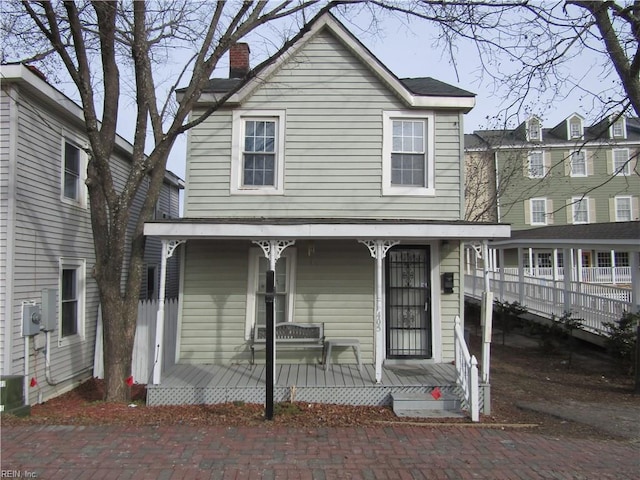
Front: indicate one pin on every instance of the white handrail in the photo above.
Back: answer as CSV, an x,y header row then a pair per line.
x,y
466,372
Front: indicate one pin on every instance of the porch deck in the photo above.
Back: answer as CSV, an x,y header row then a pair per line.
x,y
340,384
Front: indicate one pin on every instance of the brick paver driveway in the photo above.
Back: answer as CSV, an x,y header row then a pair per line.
x,y
385,452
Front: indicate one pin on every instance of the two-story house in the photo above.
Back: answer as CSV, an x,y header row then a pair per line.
x,y
346,180
46,240
532,177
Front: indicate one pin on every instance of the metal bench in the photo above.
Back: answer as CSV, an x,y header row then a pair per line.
x,y
289,335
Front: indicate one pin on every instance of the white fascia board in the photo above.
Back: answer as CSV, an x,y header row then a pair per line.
x,y
324,231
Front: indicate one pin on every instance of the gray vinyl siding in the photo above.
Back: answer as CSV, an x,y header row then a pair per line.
x,y
450,303
333,152
334,286
47,229
599,186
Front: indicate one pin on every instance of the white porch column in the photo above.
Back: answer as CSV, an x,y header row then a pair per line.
x,y
521,277
613,267
273,249
486,318
569,269
168,247
378,250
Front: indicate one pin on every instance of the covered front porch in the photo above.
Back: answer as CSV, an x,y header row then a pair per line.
x,y
343,384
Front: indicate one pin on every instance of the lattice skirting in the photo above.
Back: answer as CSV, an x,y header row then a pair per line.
x,y
352,395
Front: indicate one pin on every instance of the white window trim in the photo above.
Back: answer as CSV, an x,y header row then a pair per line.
x,y
627,168
387,143
575,201
623,127
586,166
625,197
576,121
80,265
82,200
237,139
546,213
538,137
252,286
530,170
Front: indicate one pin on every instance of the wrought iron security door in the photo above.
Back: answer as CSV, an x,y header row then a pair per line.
x,y
408,302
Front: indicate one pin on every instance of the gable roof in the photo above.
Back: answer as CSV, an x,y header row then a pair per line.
x,y
550,136
422,92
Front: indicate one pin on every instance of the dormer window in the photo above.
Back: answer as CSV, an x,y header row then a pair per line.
x,y
617,129
575,128
534,130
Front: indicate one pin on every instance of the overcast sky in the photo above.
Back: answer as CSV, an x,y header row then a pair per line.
x,y
408,51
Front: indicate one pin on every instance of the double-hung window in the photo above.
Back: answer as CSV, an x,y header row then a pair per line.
x,y
617,129
580,207
73,174
72,295
578,164
257,288
536,164
534,130
258,152
538,208
575,128
621,163
408,154
623,209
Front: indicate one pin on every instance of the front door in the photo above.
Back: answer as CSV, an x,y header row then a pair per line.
x,y
408,302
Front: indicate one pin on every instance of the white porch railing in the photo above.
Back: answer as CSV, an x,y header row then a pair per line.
x,y
607,275
467,372
592,304
143,347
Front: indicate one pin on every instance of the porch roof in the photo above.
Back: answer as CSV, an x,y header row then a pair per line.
x,y
323,228
592,236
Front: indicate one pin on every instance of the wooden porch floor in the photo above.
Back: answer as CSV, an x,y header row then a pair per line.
x,y
340,384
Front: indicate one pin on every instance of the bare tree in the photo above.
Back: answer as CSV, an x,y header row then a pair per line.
x,y
525,47
96,41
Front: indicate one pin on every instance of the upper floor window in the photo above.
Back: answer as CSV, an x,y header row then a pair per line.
x,y
73,174
623,209
536,167
538,207
575,127
72,294
580,206
408,162
578,164
621,163
617,129
534,130
257,152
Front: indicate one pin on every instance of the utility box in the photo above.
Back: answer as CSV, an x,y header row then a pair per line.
x,y
49,307
12,396
31,319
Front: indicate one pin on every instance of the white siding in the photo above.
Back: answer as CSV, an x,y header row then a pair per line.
x,y
333,156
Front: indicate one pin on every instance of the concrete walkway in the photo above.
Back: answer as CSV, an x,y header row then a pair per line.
x,y
385,452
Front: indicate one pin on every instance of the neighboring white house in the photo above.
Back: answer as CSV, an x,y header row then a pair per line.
x,y
346,177
46,241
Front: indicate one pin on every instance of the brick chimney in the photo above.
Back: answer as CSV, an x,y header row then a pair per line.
x,y
239,60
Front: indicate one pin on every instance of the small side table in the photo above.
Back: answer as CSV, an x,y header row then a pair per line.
x,y
342,342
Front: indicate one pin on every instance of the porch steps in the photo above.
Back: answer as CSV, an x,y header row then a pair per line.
x,y
426,405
